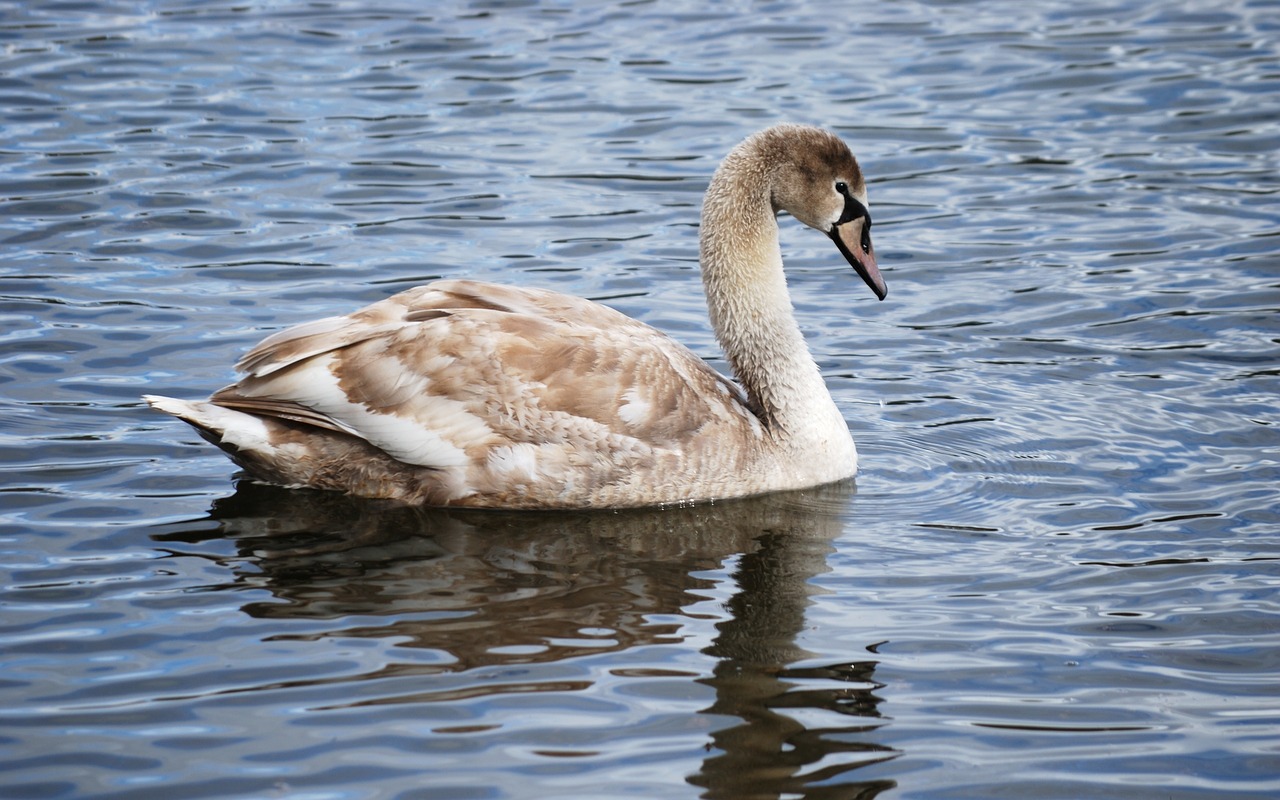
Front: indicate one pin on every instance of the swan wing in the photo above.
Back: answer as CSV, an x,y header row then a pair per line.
x,y
459,373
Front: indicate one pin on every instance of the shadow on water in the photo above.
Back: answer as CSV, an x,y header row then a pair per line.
x,y
496,588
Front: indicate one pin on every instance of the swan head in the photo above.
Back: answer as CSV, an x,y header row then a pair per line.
x,y
818,182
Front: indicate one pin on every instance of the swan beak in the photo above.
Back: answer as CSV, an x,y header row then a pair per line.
x,y
849,238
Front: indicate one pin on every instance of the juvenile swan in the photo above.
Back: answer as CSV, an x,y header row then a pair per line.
x,y
471,394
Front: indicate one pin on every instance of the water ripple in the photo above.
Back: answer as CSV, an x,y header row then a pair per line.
x,y
1061,544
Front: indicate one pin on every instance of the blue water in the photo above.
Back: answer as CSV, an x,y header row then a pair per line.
x,y
1056,577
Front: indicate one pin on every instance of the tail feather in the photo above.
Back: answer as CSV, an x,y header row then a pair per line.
x,y
288,453
231,430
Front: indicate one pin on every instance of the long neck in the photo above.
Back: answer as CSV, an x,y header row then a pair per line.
x,y
749,305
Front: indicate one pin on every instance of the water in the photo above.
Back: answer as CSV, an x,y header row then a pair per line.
x,y
1056,577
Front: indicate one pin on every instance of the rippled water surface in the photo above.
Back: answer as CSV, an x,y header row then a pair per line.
x,y
1057,576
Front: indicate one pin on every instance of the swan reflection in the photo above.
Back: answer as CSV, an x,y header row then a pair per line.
x,y
482,589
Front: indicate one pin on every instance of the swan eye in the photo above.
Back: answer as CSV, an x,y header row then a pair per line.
x,y
842,187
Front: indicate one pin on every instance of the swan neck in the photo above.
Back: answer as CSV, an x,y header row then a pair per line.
x,y
748,301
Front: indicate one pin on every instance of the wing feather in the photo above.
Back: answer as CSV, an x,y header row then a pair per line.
x,y
459,371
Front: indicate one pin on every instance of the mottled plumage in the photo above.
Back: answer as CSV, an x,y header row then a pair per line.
x,y
473,394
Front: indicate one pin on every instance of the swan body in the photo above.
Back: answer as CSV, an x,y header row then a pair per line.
x,y
465,393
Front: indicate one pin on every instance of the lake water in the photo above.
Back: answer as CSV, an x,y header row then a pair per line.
x,y
1058,575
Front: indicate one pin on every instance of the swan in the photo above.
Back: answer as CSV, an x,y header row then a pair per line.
x,y
462,393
